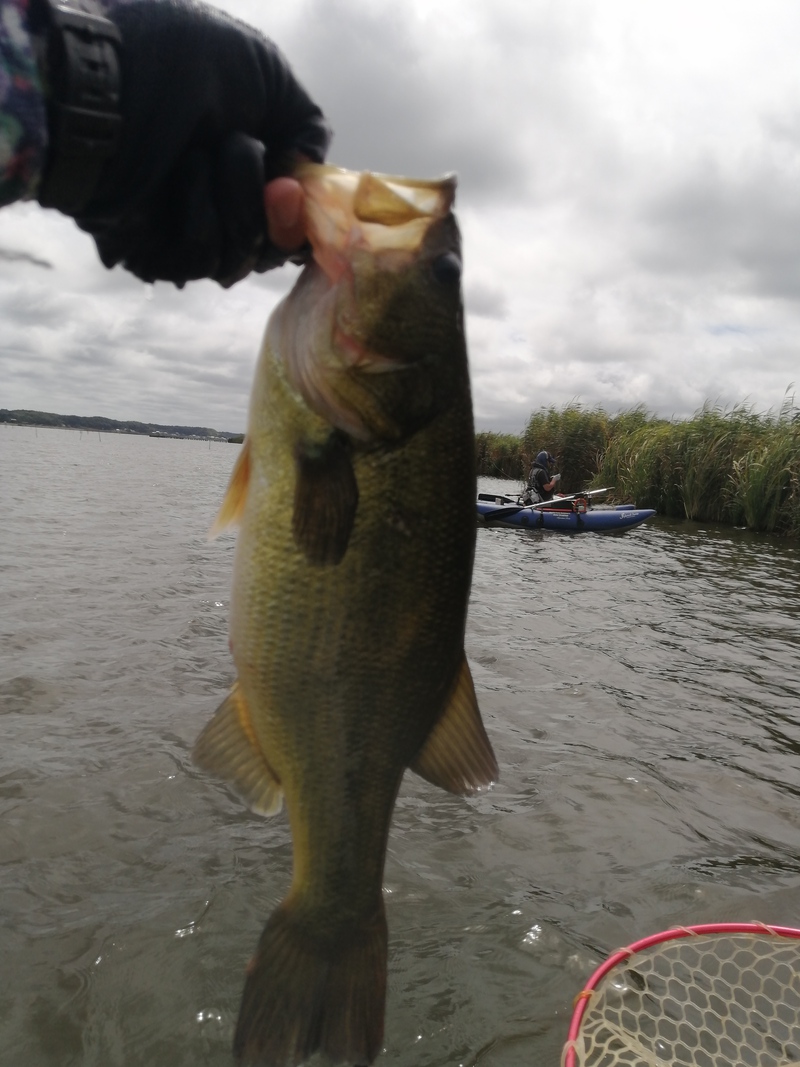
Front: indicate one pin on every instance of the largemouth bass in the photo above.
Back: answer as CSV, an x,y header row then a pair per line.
x,y
355,495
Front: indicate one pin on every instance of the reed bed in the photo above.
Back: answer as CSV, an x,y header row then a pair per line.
x,y
499,455
734,466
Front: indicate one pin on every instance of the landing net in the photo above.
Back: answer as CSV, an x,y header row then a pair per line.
x,y
718,995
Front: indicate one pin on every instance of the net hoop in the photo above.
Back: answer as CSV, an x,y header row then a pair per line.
x,y
569,1056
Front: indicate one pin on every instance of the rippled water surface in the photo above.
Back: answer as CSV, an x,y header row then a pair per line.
x,y
642,694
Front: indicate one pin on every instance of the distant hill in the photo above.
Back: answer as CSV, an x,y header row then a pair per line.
x,y
97,422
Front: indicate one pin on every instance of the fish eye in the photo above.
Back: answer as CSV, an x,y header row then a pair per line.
x,y
447,268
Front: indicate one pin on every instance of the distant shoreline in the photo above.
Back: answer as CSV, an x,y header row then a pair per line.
x,y
98,423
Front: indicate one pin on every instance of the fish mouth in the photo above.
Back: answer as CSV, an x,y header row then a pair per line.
x,y
346,210
366,231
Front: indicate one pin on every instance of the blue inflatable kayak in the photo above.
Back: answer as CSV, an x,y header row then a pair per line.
x,y
568,514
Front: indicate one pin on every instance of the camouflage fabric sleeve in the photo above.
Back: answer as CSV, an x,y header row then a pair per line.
x,y
23,126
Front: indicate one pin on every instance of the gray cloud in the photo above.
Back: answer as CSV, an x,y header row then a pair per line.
x,y
629,204
27,305
485,301
738,225
13,255
411,94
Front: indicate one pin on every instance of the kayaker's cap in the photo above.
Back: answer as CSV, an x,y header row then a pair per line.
x,y
545,459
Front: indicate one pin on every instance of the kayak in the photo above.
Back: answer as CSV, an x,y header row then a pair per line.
x,y
567,514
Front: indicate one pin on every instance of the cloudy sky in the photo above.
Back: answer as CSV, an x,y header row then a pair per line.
x,y
629,194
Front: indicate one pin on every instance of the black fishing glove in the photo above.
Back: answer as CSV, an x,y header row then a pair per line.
x,y
210,112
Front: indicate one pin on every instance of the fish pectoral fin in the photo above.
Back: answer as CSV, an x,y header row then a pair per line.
x,y
233,502
229,748
325,499
457,754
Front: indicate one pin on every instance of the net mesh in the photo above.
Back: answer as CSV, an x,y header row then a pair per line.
x,y
703,1001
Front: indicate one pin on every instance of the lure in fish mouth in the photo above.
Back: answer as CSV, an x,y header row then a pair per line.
x,y
350,594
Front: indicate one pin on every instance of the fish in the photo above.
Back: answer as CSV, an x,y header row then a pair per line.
x,y
354,495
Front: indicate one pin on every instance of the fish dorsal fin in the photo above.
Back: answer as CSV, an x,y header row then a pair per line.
x,y
325,499
229,748
457,754
230,512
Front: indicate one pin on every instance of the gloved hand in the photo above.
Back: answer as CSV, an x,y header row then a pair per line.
x,y
211,112
556,478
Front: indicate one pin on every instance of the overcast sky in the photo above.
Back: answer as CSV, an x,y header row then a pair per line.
x,y
629,196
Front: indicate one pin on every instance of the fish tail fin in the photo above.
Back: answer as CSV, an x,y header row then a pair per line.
x,y
303,994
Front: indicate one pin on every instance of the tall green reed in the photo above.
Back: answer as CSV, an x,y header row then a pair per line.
x,y
576,436
734,465
499,455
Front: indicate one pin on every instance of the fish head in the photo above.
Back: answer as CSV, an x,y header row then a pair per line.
x,y
373,332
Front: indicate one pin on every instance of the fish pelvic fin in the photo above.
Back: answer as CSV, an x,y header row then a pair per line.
x,y
230,512
457,754
304,995
325,499
229,748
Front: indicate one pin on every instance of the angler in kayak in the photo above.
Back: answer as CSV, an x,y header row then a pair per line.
x,y
541,483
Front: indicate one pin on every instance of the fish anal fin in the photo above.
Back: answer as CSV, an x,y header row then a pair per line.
x,y
304,994
457,754
230,512
229,749
325,499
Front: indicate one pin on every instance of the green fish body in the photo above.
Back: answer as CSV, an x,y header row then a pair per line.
x,y
355,495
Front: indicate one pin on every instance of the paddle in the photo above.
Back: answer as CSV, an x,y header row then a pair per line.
x,y
504,511
505,505
562,499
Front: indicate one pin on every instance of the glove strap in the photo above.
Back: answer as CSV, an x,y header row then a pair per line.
x,y
82,74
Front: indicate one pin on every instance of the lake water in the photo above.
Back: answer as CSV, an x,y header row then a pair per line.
x,y
642,694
